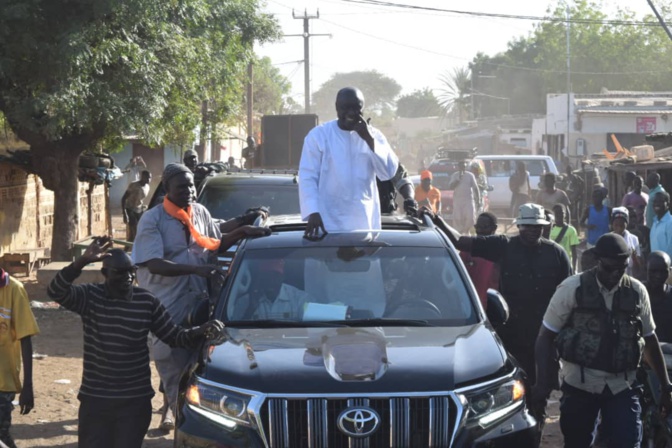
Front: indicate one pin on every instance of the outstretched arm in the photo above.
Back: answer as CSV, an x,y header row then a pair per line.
x,y
27,399
460,242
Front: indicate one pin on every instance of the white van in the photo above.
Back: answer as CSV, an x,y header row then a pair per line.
x,y
500,167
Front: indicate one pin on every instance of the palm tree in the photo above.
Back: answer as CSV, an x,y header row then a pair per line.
x,y
455,96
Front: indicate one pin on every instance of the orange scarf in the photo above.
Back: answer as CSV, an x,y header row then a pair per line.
x,y
185,218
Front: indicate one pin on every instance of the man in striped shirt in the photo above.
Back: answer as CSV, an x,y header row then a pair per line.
x,y
115,396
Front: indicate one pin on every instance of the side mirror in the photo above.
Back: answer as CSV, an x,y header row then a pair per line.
x,y
498,310
490,188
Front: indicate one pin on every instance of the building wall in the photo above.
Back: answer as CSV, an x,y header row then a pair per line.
x,y
596,128
27,211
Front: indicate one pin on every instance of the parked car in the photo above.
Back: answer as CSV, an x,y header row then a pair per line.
x,y
500,167
228,195
378,340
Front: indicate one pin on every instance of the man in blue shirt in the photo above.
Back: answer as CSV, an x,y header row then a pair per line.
x,y
653,182
661,230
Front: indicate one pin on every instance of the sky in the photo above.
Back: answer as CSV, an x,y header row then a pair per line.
x,y
412,47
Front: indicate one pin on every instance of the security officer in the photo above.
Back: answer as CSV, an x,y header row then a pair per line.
x,y
387,191
600,323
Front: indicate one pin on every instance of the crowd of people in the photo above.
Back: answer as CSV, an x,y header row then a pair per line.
x,y
580,322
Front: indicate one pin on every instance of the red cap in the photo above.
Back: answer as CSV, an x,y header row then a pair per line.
x,y
426,174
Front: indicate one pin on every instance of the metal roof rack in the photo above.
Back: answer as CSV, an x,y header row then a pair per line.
x,y
290,171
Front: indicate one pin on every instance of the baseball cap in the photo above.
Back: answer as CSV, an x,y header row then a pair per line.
x,y
620,212
612,245
426,174
531,214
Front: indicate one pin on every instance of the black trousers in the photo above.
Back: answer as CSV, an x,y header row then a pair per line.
x,y
113,422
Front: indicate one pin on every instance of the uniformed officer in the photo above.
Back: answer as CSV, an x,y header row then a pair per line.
x,y
600,323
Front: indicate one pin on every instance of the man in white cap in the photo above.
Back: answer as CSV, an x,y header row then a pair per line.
x,y
531,267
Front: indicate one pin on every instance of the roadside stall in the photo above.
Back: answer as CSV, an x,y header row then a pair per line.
x,y
661,163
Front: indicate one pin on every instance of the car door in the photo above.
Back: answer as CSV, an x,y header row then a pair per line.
x,y
498,172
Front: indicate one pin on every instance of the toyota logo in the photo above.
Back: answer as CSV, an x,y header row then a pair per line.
x,y
358,422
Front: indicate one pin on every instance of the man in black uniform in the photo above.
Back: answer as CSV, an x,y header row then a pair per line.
x,y
387,191
530,269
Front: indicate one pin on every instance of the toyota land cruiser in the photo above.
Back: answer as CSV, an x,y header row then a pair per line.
x,y
360,339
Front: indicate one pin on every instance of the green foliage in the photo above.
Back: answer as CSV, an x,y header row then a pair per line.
x,y
379,93
455,93
141,67
421,103
611,56
270,88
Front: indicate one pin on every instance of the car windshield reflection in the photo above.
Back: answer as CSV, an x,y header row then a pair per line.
x,y
358,284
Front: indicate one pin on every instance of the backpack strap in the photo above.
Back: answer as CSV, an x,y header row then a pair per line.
x,y
562,233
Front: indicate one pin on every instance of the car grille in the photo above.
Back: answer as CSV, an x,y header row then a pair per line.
x,y
405,422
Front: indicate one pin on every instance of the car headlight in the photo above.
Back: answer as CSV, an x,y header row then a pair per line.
x,y
226,407
486,406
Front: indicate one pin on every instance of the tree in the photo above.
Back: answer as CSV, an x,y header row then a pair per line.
x,y
421,103
379,92
270,88
603,55
455,94
79,75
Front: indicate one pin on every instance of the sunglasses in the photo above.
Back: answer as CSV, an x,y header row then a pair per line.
x,y
611,268
122,272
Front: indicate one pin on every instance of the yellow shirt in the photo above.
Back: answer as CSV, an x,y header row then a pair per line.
x,y
557,314
16,322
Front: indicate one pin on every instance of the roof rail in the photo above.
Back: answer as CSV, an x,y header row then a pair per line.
x,y
291,171
427,221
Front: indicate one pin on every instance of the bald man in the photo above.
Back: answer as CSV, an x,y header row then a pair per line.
x,y
339,165
660,293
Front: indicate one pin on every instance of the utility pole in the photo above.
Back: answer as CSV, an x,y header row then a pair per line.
x,y
660,19
306,50
569,85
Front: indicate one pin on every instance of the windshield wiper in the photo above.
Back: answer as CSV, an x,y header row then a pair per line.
x,y
387,322
276,323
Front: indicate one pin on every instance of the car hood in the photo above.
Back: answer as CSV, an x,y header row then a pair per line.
x,y
353,360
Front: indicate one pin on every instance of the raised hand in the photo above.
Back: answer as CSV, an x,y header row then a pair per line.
x,y
365,131
97,250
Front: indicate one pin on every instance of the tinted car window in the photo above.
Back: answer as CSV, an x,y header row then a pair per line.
x,y
340,283
227,201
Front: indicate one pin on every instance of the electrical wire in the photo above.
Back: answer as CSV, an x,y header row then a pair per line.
x,y
493,64
505,16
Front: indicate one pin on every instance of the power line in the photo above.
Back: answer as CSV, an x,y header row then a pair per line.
x,y
506,16
493,64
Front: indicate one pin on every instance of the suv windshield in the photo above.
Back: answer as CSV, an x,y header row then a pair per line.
x,y
227,201
348,284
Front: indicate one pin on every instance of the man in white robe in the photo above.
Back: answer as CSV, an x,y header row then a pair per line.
x,y
338,169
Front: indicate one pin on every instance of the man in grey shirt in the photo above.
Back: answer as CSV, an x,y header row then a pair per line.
x,y
173,249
